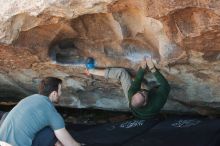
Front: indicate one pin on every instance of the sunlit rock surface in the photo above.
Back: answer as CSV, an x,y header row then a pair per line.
x,y
53,38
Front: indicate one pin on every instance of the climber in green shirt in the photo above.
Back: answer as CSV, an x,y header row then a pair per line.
x,y
143,103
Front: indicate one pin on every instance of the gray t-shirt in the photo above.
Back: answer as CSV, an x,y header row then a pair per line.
x,y
28,117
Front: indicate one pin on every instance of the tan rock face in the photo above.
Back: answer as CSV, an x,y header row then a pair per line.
x,y
53,38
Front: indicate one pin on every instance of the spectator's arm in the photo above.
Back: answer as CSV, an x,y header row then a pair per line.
x,y
65,138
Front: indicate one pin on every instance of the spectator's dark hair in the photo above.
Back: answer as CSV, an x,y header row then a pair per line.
x,y
48,85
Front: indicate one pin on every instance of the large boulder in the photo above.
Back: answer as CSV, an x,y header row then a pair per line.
x,y
53,38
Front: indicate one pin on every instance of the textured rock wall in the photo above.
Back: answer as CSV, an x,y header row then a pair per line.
x,y
53,38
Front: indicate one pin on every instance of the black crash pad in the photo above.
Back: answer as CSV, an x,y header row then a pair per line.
x,y
181,132
113,133
177,131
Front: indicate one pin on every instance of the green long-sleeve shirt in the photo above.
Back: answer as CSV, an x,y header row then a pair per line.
x,y
156,98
